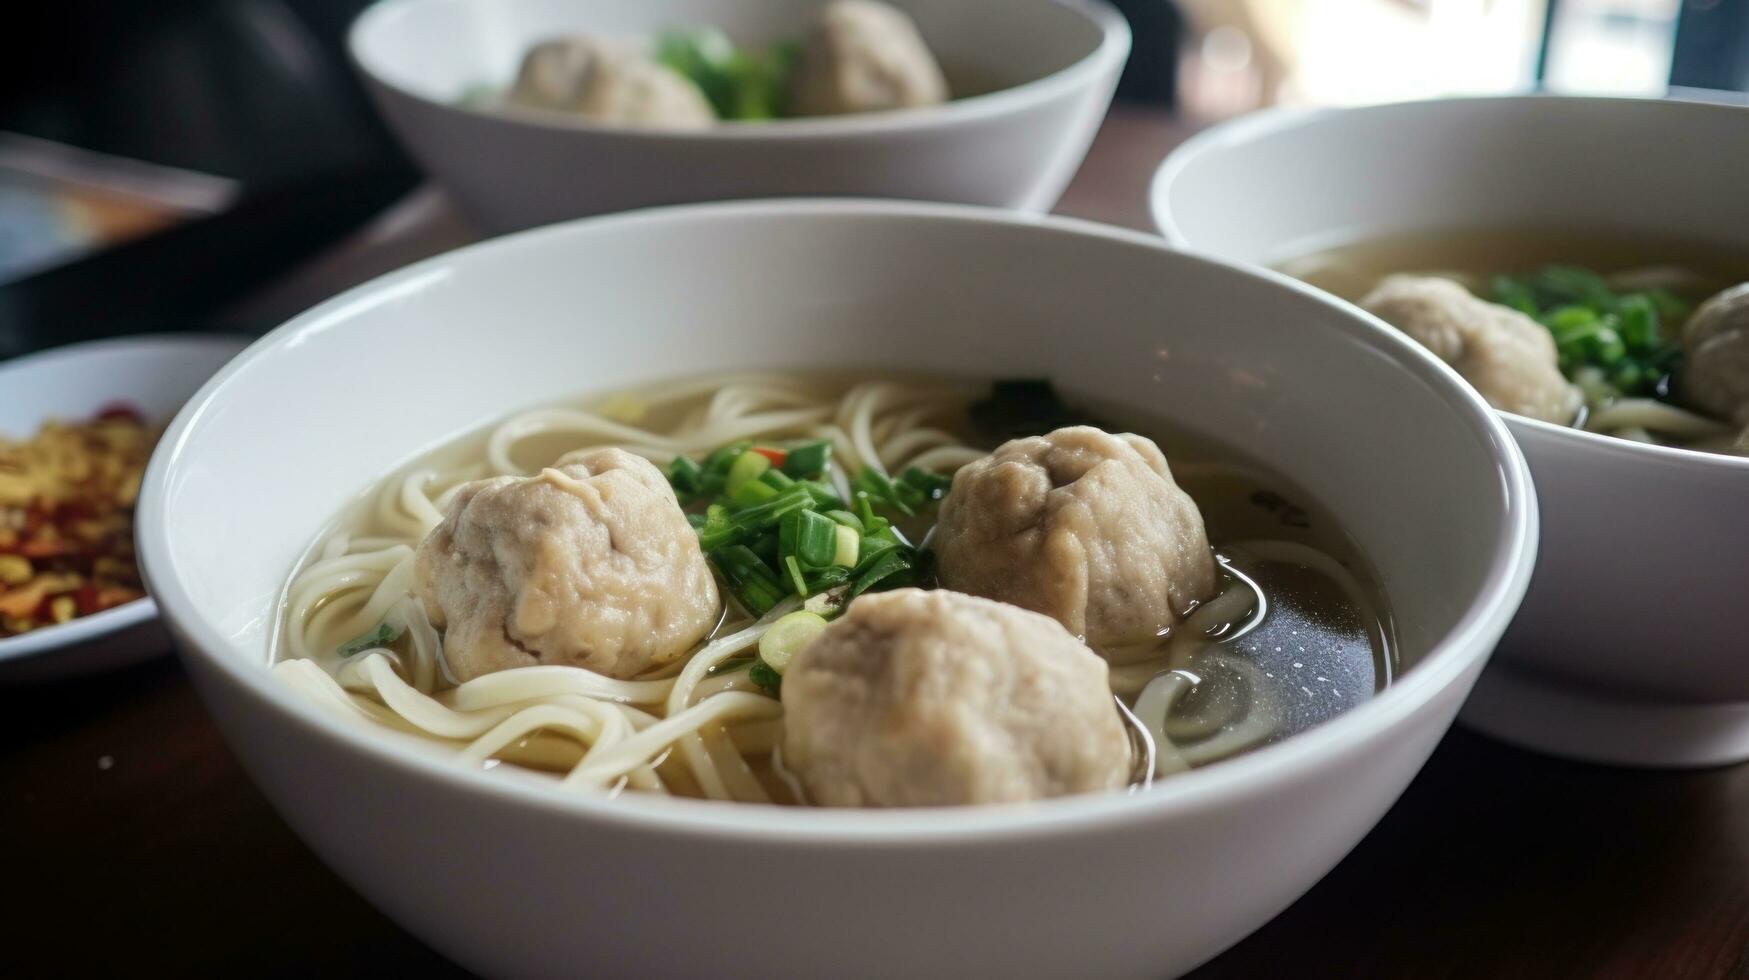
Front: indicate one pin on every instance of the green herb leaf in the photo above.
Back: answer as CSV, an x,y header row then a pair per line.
x,y
382,636
762,674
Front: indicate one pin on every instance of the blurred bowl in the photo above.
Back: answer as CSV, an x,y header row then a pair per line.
x,y
1630,647
511,877
152,374
1047,69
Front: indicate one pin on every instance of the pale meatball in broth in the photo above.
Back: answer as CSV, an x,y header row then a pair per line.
x,y
1715,374
590,563
865,57
1084,526
1507,356
591,79
934,698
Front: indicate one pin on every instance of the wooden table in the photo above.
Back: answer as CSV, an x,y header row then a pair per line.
x,y
130,840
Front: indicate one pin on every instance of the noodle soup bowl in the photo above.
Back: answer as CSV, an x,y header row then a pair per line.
x,y
1630,647
1035,78
510,876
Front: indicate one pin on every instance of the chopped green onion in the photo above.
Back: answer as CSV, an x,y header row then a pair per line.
x,y
846,518
748,466
787,637
887,565
1619,336
684,476
739,83
776,479
933,486
719,461
849,544
871,547
824,497
770,512
755,585
382,636
765,677
816,538
880,490
821,579
865,510
752,493
809,459
795,575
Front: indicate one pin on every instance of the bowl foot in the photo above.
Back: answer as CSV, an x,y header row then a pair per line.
x,y
1593,726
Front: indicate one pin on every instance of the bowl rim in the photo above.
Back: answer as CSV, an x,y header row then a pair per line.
x,y
84,629
1112,51
1269,122
1462,650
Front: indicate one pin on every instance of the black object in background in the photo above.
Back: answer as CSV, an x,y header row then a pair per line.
x,y
1151,77
1712,45
255,90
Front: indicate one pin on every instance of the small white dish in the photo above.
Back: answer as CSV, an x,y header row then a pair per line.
x,y
511,877
1630,647
1050,67
155,374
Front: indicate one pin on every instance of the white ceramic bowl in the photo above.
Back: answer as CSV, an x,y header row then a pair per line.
x,y
1051,66
515,879
1630,647
153,374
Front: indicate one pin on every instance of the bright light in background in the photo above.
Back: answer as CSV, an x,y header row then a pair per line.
x,y
1354,52
1253,53
1615,47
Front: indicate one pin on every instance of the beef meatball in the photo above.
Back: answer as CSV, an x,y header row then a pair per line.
x,y
863,56
934,699
1081,525
591,563
1508,357
1715,371
588,78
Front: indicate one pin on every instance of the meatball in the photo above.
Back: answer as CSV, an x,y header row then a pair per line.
x,y
590,79
591,563
1715,371
863,56
1081,525
934,698
1507,356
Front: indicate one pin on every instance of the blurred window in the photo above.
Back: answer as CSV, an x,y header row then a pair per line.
x,y
1240,55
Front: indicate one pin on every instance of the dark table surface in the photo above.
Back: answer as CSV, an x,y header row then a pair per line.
x,y
130,839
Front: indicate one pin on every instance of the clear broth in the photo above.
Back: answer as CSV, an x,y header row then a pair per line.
x,y
1473,255
1316,654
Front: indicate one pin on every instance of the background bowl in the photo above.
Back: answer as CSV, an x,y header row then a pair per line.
x,y
153,374
1630,646
1048,66
511,878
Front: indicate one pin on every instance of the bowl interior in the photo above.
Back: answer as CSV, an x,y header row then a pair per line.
x,y
1284,184
355,387
440,49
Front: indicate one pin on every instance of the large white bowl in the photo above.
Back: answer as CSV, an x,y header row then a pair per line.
x,y
1630,647
1050,66
513,878
154,374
